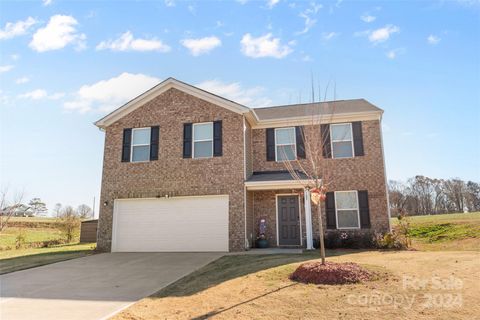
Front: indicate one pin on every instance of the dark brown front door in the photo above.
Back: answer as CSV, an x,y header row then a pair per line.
x,y
288,221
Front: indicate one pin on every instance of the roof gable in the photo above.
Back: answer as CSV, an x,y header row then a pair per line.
x,y
161,88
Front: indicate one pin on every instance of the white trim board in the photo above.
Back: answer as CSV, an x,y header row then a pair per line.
x,y
276,185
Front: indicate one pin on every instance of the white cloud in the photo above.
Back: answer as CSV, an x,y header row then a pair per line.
x,y
127,42
22,80
41,94
57,34
368,18
34,95
392,54
234,91
307,16
170,3
433,39
264,46
6,68
15,57
107,95
14,29
329,35
383,34
201,45
47,2
272,3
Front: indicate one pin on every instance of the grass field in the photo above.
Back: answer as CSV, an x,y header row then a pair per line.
x,y
36,231
258,287
15,260
460,231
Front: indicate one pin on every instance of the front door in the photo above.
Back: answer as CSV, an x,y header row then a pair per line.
x,y
288,221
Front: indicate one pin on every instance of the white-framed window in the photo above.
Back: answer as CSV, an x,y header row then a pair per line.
x,y
140,145
285,144
347,209
341,137
203,140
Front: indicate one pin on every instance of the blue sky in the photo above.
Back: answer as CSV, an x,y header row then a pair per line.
x,y
63,65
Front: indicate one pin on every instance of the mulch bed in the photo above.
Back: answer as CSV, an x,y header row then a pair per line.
x,y
331,273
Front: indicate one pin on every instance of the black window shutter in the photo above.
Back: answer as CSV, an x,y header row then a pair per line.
x,y
154,140
270,144
127,143
326,144
357,138
364,209
300,142
330,210
187,140
217,139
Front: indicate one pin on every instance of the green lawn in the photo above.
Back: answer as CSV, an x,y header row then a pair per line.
x,y
459,231
32,254
7,237
14,260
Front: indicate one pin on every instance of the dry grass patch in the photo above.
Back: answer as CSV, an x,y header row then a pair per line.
x,y
257,287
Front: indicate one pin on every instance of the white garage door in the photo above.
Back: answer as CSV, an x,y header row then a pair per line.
x,y
177,224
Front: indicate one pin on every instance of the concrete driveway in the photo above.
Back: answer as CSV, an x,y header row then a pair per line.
x,y
93,287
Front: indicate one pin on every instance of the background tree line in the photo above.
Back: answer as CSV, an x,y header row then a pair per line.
x,y
422,195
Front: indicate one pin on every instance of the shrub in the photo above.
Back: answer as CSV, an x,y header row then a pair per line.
x,y
20,239
390,240
69,224
346,240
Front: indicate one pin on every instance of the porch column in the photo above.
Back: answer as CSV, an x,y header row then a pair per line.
x,y
308,218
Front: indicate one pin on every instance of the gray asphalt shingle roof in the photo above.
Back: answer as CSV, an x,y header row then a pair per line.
x,y
311,109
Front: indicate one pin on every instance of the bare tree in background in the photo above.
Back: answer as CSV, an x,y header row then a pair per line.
x,y
423,195
84,211
313,172
10,206
57,209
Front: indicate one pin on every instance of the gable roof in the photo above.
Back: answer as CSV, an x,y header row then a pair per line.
x,y
161,88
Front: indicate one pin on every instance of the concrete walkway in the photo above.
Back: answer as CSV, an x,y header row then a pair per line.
x,y
93,287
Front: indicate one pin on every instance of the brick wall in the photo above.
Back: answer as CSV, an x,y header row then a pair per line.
x,y
171,174
359,173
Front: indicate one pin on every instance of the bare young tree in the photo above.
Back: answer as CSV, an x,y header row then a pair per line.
x,y
10,206
314,172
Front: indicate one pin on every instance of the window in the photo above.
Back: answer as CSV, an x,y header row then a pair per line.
x,y
203,140
342,141
346,204
140,144
285,144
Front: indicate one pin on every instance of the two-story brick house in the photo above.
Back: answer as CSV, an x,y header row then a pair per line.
x,y
187,170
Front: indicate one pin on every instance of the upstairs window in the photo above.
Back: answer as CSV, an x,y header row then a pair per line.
x,y
285,144
348,215
140,145
203,140
342,141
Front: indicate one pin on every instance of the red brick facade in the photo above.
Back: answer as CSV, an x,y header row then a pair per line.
x,y
359,173
171,174
244,152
